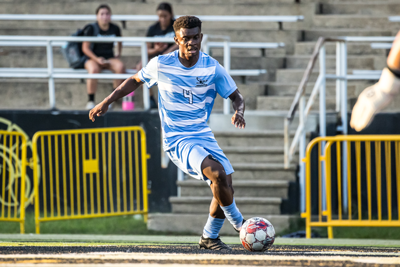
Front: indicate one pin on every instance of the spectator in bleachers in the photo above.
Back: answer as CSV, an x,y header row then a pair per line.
x,y
101,55
162,28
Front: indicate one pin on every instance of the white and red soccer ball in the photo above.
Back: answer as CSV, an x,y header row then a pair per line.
x,y
257,234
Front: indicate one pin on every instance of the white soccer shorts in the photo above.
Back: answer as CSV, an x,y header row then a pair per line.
x,y
188,155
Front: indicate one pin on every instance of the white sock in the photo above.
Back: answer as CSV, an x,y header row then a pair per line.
x,y
233,215
212,227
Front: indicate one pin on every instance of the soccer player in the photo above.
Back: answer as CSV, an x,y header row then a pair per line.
x,y
188,82
376,97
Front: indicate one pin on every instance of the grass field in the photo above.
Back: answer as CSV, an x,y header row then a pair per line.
x,y
120,225
134,225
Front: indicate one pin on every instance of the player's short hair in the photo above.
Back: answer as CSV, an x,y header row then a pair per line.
x,y
187,22
103,6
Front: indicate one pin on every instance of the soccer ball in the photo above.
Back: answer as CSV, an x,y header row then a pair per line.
x,y
257,234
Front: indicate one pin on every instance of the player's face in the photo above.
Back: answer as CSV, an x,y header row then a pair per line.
x,y
189,41
103,16
165,18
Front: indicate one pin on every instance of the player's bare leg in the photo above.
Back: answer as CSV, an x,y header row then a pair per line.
x,y
221,188
222,205
215,210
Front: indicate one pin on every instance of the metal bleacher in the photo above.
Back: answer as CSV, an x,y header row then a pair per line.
x,y
56,41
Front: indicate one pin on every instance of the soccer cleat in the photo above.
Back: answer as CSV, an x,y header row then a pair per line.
x,y
238,230
90,105
213,244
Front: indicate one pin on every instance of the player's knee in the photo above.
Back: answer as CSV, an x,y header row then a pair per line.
x,y
219,177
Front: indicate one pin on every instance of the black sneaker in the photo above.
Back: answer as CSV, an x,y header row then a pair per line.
x,y
237,229
213,244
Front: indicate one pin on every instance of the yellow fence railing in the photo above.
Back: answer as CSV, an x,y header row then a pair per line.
x,y
371,187
13,164
90,173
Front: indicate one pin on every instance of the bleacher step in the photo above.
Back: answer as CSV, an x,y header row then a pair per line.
x,y
265,171
201,205
372,8
259,153
284,102
352,21
353,62
314,33
359,48
146,8
249,139
290,89
259,120
243,188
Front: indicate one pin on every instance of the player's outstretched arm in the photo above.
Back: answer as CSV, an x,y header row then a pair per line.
x,y
128,86
376,97
238,106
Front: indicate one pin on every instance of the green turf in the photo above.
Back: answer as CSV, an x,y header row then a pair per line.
x,y
391,233
119,225
131,225
103,240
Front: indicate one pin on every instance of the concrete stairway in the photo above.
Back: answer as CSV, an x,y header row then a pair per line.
x,y
259,181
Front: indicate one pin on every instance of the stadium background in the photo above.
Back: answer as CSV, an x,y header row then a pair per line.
x,y
257,153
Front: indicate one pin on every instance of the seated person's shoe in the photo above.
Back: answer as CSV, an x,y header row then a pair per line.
x,y
90,105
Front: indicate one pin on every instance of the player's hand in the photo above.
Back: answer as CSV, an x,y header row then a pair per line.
x,y
99,110
238,120
373,99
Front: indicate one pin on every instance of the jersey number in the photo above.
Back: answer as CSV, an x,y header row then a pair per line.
x,y
188,94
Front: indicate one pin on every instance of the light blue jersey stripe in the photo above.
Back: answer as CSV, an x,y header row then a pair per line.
x,y
186,95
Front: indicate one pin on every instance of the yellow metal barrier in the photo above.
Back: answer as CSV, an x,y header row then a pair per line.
x,y
90,173
373,171
12,177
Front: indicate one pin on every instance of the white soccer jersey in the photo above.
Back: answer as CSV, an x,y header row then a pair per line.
x,y
186,95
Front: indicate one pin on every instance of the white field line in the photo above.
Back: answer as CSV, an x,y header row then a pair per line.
x,y
190,257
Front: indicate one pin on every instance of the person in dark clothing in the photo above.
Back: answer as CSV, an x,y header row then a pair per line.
x,y
162,28
101,55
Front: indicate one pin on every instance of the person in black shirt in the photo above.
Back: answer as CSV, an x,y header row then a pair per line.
x,y
101,55
162,28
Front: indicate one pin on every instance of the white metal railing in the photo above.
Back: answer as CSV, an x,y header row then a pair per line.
x,y
341,77
394,18
124,18
51,74
55,73
381,45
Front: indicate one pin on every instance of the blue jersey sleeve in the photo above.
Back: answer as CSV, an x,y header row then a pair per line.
x,y
149,74
224,83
